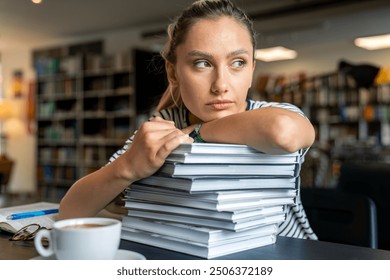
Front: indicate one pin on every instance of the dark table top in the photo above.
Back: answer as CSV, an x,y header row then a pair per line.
x,y
285,248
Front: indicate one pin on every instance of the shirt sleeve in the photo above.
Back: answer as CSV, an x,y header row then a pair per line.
x,y
262,104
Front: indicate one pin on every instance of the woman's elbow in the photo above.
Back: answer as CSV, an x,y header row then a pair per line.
x,y
291,135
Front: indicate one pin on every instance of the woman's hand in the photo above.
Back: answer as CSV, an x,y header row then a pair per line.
x,y
154,141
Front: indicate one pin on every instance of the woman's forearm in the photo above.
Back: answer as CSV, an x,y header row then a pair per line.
x,y
270,130
92,193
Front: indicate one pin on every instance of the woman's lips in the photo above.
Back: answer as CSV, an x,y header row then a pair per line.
x,y
220,104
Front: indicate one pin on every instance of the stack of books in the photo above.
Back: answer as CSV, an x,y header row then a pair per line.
x,y
211,200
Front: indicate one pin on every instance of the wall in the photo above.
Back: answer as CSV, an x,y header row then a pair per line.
x,y
321,46
19,148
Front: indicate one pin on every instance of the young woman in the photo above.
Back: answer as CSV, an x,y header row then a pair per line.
x,y
210,62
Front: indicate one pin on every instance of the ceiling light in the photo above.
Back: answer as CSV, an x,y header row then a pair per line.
x,y
373,42
36,1
275,53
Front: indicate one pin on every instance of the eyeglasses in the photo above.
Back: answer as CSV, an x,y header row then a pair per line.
x,y
26,233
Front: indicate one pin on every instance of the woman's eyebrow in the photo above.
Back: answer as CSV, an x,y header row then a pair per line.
x,y
200,53
209,56
238,52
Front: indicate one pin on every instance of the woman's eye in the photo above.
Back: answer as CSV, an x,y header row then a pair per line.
x,y
202,64
238,63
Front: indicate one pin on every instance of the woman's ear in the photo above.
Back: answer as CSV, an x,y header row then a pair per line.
x,y
171,73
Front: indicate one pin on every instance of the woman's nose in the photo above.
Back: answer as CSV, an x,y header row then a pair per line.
x,y
219,84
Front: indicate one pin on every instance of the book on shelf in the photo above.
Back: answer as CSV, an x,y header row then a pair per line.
x,y
209,251
194,233
233,216
175,169
238,225
13,226
202,184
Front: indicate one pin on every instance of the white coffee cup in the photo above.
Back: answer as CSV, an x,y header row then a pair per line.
x,y
81,239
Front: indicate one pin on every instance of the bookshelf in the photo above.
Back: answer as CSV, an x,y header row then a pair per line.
x,y
351,123
85,112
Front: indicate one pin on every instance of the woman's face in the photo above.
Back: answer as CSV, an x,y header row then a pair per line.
x,y
214,68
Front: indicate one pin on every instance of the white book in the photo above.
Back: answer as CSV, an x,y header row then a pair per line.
x,y
237,201
229,170
212,205
201,184
193,248
193,233
238,225
255,158
233,216
137,190
219,148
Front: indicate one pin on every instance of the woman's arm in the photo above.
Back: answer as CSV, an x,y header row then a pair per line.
x,y
269,129
153,142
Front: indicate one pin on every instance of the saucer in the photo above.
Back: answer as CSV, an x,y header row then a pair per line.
x,y
128,255
120,255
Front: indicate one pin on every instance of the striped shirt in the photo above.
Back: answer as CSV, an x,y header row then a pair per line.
x,y
296,223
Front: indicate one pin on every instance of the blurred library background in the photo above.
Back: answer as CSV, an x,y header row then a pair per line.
x,y
75,85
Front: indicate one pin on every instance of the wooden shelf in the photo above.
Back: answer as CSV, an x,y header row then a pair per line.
x,y
83,117
343,116
88,103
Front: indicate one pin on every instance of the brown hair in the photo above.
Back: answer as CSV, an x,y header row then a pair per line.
x,y
177,31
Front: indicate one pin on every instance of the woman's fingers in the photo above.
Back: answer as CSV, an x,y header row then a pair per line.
x,y
154,141
171,141
160,143
159,119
